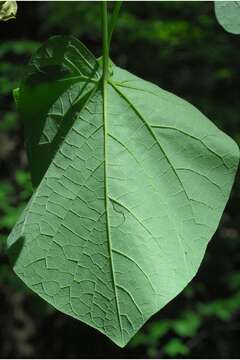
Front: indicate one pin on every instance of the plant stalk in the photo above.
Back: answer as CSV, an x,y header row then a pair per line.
x,y
105,41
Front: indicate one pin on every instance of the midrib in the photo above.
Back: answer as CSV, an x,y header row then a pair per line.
x,y
105,127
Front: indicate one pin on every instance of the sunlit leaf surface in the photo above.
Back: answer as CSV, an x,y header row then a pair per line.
x,y
126,201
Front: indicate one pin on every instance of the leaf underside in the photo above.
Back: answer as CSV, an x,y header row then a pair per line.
x,y
228,15
126,201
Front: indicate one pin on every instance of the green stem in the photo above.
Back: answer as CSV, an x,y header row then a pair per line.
x,y
105,41
114,19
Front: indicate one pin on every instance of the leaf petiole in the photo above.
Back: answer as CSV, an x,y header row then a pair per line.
x,y
105,41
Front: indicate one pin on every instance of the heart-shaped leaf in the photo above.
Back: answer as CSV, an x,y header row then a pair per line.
x,y
228,15
132,195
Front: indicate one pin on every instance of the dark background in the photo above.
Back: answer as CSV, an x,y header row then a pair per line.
x,y
181,47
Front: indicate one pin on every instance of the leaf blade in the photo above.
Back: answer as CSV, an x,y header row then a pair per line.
x,y
121,219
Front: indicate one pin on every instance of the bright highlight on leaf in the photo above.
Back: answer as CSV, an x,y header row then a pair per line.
x,y
126,199
228,15
8,10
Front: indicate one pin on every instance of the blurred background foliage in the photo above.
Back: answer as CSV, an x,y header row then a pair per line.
x,y
181,47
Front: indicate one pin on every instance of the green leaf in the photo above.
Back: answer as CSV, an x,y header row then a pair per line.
x,y
158,330
8,10
221,308
120,221
187,325
58,80
176,347
228,15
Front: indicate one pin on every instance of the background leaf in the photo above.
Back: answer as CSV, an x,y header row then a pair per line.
x,y
228,15
175,347
8,10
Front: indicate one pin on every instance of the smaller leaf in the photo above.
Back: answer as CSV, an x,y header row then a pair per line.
x,y
228,15
8,10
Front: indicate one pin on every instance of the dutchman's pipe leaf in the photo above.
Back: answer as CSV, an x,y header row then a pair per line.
x,y
126,200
